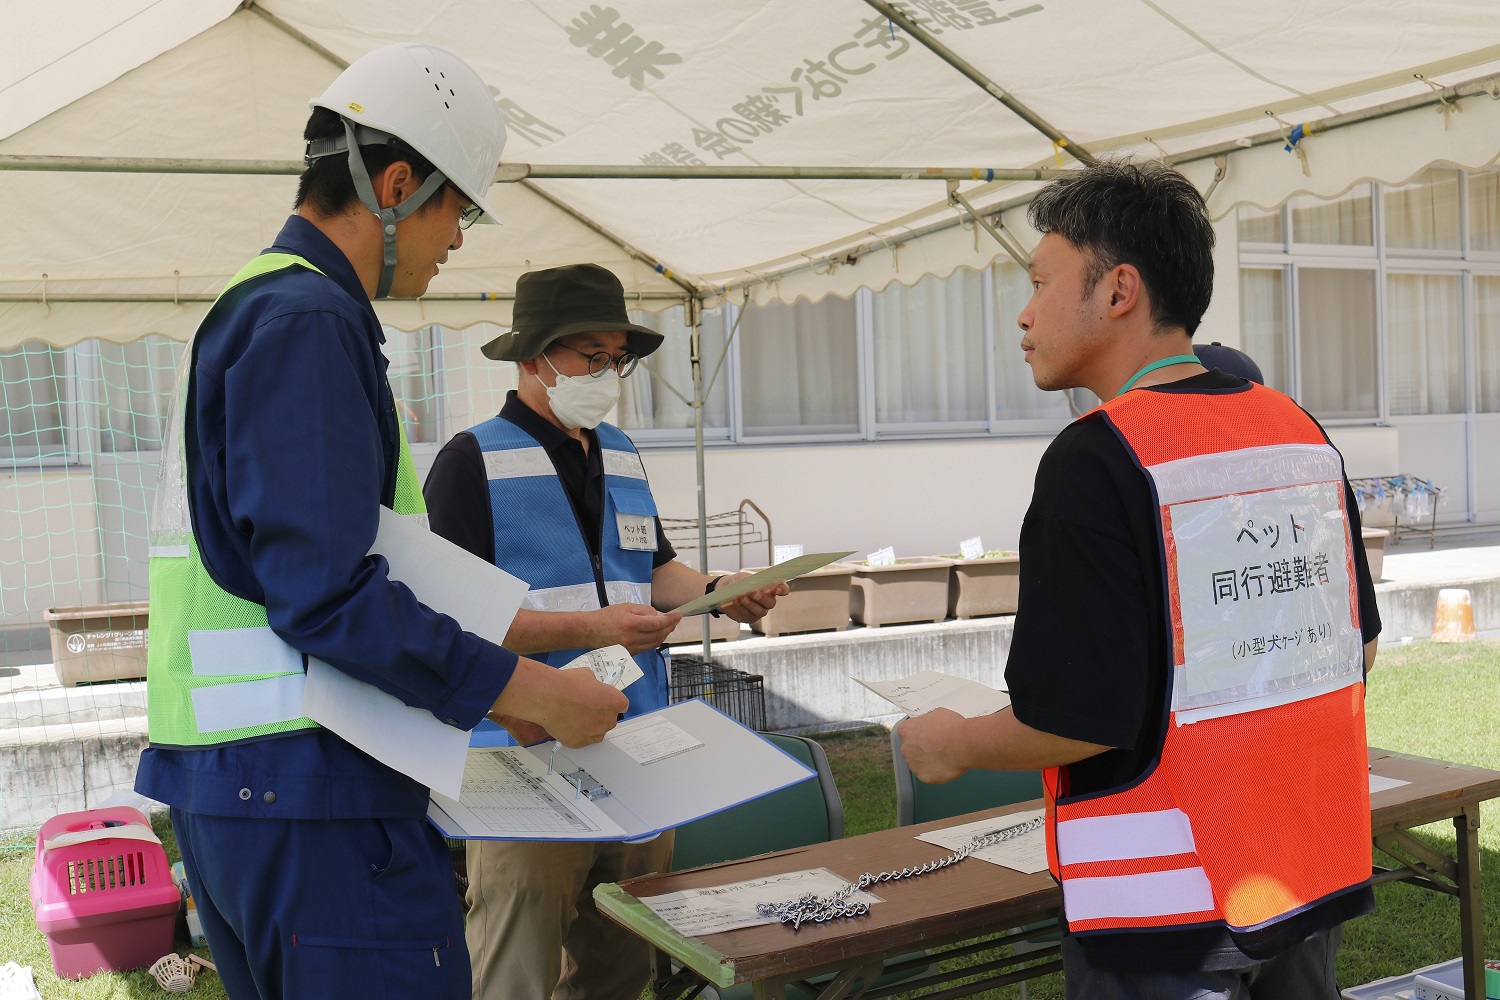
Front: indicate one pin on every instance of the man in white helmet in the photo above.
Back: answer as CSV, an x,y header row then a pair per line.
x,y
311,864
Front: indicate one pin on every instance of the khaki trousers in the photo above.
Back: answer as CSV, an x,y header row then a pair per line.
x,y
533,931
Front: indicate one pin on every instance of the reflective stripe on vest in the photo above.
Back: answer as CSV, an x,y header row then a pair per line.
x,y
216,672
537,539
1258,805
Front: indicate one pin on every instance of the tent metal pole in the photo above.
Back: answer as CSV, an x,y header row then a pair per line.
x,y
189,298
695,347
1003,238
521,173
983,82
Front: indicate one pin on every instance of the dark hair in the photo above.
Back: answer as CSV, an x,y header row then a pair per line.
x,y
327,185
1144,214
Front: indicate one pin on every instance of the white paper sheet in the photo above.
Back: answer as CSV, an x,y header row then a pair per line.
x,y
922,692
780,573
515,790
611,665
479,596
1026,853
714,909
648,739
1380,783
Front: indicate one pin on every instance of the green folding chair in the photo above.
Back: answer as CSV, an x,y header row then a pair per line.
x,y
919,802
807,813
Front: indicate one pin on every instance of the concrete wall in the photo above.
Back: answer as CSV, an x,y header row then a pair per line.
x,y
919,497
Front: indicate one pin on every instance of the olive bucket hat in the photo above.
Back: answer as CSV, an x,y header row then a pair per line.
x,y
578,298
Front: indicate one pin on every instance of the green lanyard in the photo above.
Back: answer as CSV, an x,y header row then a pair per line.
x,y
1176,359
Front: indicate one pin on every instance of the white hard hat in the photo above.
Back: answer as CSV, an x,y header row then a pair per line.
x,y
434,102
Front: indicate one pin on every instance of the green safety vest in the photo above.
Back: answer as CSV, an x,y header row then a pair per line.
x,y
215,671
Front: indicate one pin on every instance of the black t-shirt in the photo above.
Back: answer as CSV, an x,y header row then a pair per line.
x,y
458,493
1091,556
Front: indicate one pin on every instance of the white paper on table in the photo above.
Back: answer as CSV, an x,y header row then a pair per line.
x,y
648,739
1026,853
714,909
1380,783
780,573
922,692
481,597
611,665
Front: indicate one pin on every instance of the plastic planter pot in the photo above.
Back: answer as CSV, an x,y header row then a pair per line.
x,y
818,602
989,585
915,589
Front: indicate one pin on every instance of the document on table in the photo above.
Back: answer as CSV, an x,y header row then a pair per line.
x,y
1379,783
714,909
780,573
1026,853
922,692
479,596
652,773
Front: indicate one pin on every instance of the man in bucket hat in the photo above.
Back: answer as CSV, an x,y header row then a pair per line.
x,y
551,493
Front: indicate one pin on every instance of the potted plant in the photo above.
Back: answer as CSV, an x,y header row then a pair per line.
x,y
818,602
987,585
914,589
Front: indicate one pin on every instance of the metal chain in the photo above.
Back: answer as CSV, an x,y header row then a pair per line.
x,y
818,909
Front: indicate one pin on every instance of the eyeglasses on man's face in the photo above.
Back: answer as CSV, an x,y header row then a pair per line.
x,y
470,213
599,361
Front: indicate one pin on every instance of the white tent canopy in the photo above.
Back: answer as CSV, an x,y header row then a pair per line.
x,y
736,83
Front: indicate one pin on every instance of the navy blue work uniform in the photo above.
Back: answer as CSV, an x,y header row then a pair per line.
x,y
311,863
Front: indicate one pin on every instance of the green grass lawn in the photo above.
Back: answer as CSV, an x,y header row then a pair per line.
x,y
1431,700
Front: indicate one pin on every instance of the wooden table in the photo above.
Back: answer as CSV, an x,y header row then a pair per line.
x,y
975,899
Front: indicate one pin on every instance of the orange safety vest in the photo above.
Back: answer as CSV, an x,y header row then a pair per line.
x,y
1257,805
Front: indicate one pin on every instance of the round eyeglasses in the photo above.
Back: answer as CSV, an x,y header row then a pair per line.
x,y
601,360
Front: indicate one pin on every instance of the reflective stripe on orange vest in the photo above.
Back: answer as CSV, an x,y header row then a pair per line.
x,y
1258,804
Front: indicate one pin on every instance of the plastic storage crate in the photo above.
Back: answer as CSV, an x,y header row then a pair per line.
x,y
739,695
102,892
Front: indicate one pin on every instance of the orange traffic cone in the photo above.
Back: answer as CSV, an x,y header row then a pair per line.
x,y
1454,621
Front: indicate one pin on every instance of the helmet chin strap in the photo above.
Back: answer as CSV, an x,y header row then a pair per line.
x,y
388,216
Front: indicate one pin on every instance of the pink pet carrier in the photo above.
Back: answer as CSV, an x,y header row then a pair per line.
x,y
102,892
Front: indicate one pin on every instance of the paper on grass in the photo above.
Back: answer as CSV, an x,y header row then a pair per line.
x,y
780,573
714,909
478,595
1026,853
922,692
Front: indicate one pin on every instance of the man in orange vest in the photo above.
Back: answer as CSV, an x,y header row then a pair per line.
x,y
1195,627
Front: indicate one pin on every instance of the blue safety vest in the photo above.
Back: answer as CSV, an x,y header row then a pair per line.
x,y
538,539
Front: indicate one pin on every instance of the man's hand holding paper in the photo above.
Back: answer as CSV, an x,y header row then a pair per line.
x,y
751,607
573,706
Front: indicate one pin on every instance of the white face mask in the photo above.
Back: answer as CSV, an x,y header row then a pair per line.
x,y
582,400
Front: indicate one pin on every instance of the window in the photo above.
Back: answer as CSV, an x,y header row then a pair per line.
x,y
1425,340
647,399
1487,343
1484,212
1260,227
136,386
414,383
928,346
1016,394
1263,322
1343,221
33,403
1423,215
799,369
1336,339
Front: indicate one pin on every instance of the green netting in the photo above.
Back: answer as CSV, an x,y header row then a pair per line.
x,y
80,437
